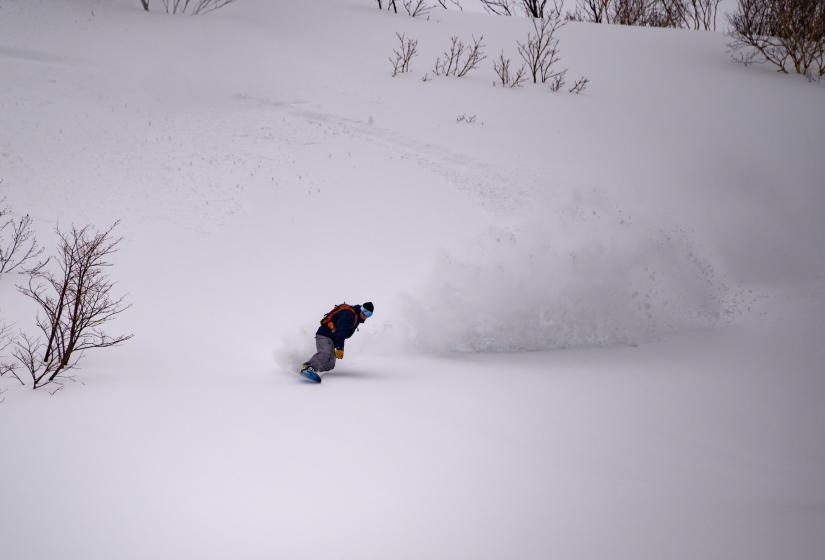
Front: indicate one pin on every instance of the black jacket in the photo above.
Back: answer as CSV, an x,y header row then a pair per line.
x,y
346,323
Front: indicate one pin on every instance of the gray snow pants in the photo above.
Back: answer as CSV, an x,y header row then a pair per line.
x,y
324,358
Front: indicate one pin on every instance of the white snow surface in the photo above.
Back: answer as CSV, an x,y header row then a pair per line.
x,y
599,317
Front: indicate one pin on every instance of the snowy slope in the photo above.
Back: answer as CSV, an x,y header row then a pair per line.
x,y
656,244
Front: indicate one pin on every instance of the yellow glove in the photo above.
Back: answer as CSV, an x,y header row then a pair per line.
x,y
339,353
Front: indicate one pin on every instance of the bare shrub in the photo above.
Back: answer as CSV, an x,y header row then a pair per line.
x,y
5,366
541,55
789,34
541,51
403,55
390,5
18,245
499,7
694,14
593,11
461,59
579,85
416,8
637,12
557,80
194,7
535,8
456,3
465,118
698,14
74,304
531,8
506,78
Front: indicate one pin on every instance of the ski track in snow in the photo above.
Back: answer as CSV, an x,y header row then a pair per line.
x,y
492,189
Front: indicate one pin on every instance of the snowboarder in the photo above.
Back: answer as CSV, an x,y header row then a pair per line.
x,y
336,326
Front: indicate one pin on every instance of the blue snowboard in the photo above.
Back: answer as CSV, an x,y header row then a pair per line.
x,y
311,375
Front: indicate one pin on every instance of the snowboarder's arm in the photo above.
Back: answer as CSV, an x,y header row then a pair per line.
x,y
344,324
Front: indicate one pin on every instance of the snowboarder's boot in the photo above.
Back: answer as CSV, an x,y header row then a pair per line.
x,y
308,373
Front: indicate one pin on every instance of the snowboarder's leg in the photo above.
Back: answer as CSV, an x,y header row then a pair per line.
x,y
324,358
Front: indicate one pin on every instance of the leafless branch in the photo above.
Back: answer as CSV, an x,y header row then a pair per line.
x,y
74,302
634,12
499,7
789,34
390,5
579,85
194,7
416,8
403,55
461,59
556,80
594,11
21,246
5,342
538,8
692,14
444,64
505,77
531,8
456,3
541,51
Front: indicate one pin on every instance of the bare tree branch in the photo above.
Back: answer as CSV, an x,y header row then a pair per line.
x,y
505,77
557,80
789,34
461,59
21,246
594,11
403,55
534,8
579,85
692,14
390,5
456,3
499,7
74,302
5,342
541,51
416,8
194,7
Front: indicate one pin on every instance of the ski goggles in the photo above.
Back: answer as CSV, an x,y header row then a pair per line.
x,y
367,313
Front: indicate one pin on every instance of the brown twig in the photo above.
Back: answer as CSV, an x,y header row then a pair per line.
x,y
454,62
404,54
21,246
541,51
579,85
505,76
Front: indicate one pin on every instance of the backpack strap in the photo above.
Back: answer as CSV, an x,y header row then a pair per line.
x,y
327,321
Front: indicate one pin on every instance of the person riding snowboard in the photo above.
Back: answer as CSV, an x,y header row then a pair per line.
x,y
336,326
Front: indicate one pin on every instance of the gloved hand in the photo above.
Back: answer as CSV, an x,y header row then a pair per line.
x,y
339,353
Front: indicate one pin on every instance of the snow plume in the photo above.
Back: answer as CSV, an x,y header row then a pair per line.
x,y
587,275
294,348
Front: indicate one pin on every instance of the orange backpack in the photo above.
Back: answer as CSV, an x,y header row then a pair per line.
x,y
327,320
